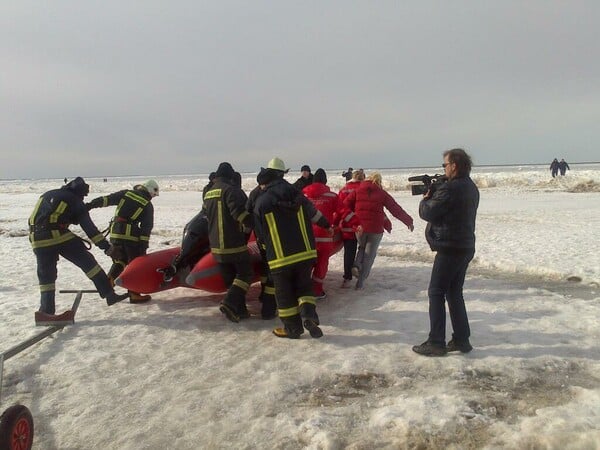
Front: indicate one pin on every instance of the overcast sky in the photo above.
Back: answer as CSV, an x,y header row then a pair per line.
x,y
175,87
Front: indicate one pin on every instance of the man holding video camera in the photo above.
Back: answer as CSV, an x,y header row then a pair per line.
x,y
450,208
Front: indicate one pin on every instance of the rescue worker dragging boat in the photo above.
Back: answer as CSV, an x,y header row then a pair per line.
x,y
283,217
130,228
51,238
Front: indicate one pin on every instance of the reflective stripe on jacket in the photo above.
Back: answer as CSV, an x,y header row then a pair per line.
x,y
53,213
134,216
283,222
225,208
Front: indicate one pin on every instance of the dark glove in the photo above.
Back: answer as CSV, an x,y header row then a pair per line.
x,y
88,206
111,251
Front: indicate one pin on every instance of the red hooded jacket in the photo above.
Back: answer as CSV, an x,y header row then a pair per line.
x,y
368,202
325,201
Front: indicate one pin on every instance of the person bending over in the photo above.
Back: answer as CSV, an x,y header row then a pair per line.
x,y
51,238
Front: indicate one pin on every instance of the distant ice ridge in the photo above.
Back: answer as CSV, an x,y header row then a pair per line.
x,y
581,178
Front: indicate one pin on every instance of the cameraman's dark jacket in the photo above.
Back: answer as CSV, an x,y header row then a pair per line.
x,y
451,213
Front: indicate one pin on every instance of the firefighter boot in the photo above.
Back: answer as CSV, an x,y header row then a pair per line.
x,y
51,320
136,297
310,319
268,309
292,327
113,297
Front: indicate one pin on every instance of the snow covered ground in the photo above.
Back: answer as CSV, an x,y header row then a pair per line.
x,y
175,373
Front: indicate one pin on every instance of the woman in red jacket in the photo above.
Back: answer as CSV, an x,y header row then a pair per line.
x,y
368,202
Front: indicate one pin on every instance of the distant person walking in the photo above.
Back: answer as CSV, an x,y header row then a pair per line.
x,y
450,211
563,167
554,165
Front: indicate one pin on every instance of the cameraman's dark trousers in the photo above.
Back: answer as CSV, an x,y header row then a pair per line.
x,y
447,280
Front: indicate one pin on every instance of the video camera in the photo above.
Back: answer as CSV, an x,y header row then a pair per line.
x,y
429,182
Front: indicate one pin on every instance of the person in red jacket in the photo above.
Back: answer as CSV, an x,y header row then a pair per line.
x,y
368,202
328,203
349,231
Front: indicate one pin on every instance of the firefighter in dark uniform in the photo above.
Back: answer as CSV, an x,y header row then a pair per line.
x,y
283,219
228,225
267,287
130,228
51,238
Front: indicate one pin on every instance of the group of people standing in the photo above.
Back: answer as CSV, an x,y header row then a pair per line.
x,y
557,166
295,226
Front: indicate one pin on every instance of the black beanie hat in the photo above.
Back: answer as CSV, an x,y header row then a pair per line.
x,y
225,171
320,176
305,168
266,176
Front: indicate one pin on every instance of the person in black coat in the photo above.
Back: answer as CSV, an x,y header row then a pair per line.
x,y
554,166
51,238
228,227
563,167
283,219
130,228
306,178
450,210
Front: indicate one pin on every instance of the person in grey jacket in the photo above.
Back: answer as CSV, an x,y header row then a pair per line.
x,y
450,210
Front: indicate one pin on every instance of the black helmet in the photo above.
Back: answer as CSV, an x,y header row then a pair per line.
x,y
78,186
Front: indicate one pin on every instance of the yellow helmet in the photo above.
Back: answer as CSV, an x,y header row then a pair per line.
x,y
277,164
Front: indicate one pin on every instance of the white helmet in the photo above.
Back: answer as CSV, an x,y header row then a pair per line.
x,y
152,187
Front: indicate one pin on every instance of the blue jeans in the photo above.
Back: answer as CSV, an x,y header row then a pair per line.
x,y
446,285
368,244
